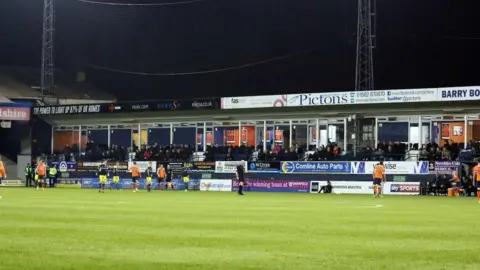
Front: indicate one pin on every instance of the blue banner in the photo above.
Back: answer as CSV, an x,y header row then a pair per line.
x,y
126,183
264,167
64,166
315,167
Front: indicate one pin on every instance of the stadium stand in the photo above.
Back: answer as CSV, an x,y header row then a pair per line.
x,y
24,83
389,151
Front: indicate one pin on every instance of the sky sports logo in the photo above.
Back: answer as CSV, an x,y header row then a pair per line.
x,y
405,188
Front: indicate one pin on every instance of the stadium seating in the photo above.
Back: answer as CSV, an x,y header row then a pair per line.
x,y
389,151
24,83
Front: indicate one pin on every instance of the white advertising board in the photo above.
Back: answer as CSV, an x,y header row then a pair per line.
x,y
458,93
215,185
228,166
357,187
348,187
320,99
254,102
411,95
391,167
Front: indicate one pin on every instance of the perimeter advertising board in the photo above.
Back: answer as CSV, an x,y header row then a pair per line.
x,y
93,166
143,165
443,167
264,167
315,167
391,167
229,166
357,187
274,186
215,185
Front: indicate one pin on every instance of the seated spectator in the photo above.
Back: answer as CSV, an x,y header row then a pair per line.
x,y
327,188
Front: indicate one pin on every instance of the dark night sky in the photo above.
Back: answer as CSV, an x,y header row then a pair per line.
x,y
420,44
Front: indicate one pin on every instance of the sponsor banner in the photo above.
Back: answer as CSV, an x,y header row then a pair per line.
x,y
64,166
264,167
126,183
143,165
320,99
411,95
254,102
369,97
412,188
93,166
200,166
315,167
70,109
14,113
169,105
193,184
11,183
176,167
344,187
391,167
69,183
274,186
458,93
228,166
215,185
443,167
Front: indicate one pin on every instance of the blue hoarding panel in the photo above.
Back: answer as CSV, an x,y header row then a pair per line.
x,y
315,167
126,183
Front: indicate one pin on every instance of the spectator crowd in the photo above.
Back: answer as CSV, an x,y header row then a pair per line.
x,y
389,151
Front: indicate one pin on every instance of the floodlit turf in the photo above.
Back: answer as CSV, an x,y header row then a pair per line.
x,y
81,229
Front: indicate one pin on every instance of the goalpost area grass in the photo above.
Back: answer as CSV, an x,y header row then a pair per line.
x,y
82,229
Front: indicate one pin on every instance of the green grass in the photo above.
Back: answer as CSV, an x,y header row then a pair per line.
x,y
81,229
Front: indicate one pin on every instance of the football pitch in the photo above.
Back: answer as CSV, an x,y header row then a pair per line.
x,y
82,229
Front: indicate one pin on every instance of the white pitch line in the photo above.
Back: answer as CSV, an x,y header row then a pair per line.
x,y
374,206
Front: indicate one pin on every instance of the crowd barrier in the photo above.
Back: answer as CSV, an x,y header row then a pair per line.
x,y
355,177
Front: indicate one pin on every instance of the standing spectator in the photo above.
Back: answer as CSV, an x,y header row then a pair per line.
x,y
29,175
52,176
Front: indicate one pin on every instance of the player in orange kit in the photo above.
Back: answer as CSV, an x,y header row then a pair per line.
x,y
378,178
476,180
41,172
135,170
3,173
